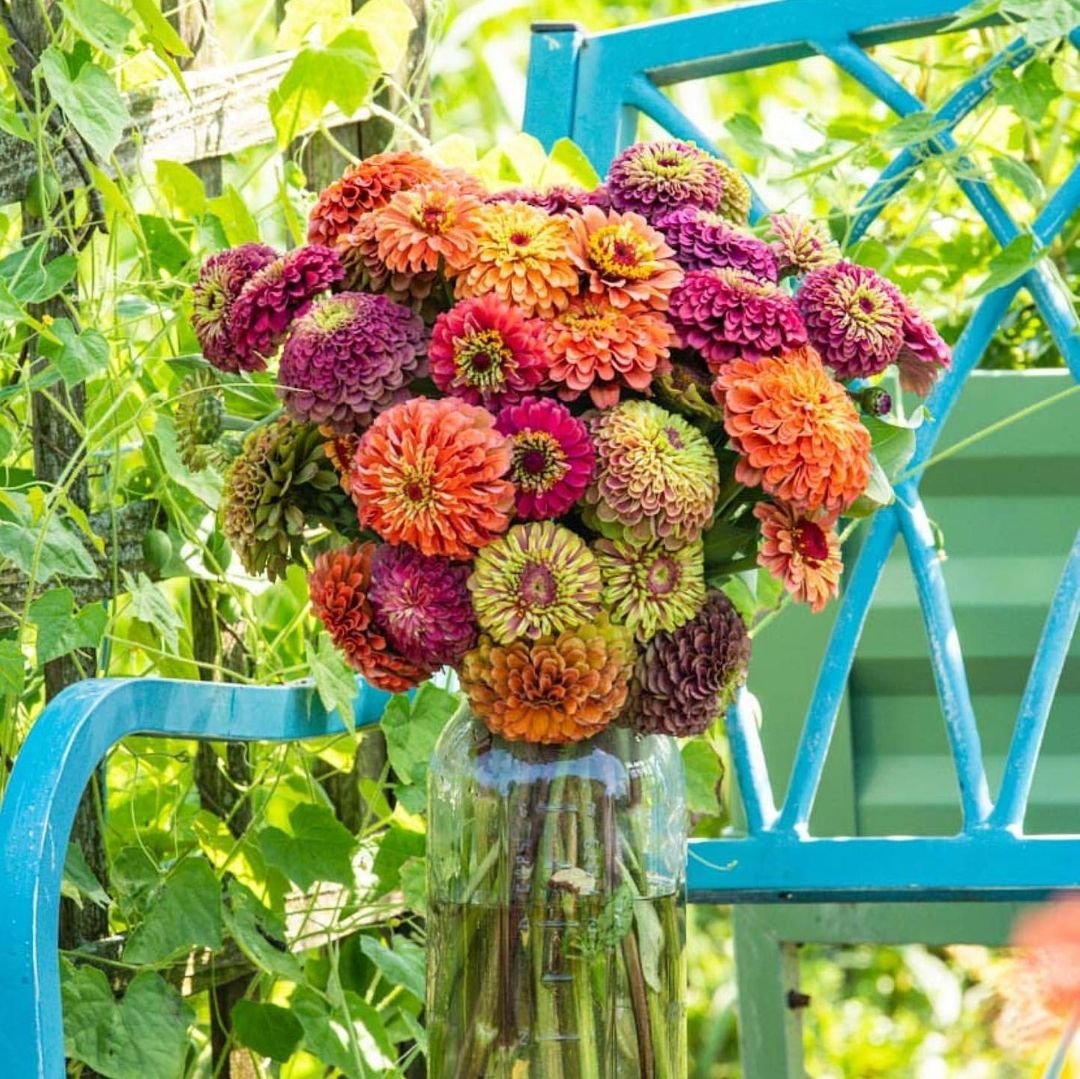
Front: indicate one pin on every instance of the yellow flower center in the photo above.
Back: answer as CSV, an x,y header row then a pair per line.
x,y
435,217
618,251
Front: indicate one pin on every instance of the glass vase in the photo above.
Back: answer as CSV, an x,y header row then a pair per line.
x,y
556,946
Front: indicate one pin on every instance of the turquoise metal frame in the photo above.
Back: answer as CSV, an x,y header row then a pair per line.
x,y
590,87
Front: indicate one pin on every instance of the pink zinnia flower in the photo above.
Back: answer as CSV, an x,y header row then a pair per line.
x,y
422,604
854,318
559,199
923,355
653,178
801,245
552,457
727,313
220,280
274,296
486,352
702,240
802,552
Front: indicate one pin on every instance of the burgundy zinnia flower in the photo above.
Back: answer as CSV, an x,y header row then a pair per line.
x,y
348,357
553,457
423,605
702,240
220,280
854,318
724,313
486,352
559,199
271,299
923,355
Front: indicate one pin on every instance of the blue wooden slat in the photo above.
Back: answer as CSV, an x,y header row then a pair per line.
x,y
53,767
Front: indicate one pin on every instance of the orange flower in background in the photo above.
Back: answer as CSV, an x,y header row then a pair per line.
x,y
523,256
365,186
419,228
598,348
338,586
430,474
802,552
797,430
625,258
1050,937
553,690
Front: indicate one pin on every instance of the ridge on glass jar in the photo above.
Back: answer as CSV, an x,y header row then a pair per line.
x,y
555,893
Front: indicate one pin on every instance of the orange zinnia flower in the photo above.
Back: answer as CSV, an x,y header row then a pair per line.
x,y
523,256
1051,939
430,474
797,430
418,228
625,258
802,552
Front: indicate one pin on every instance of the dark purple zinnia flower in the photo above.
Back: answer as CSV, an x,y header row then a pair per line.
x,y
422,604
654,178
348,357
274,296
801,245
702,240
725,312
559,199
923,354
854,318
684,678
220,280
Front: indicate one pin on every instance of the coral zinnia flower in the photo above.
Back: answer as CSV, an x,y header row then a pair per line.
x,y
598,347
338,586
260,316
358,250
538,579
653,178
702,240
625,258
347,358
922,356
423,605
1050,937
430,474
803,553
523,256
656,475
552,459
648,587
554,690
801,245
421,229
726,312
366,186
797,430
684,678
854,318
220,280
487,352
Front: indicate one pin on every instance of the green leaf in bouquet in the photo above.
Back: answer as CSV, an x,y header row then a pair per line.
x,y
878,493
319,848
272,1031
568,164
185,913
520,160
892,444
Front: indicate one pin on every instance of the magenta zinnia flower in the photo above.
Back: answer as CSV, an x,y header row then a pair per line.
x,y
220,280
552,457
274,296
487,352
423,605
559,199
923,355
854,318
653,178
702,240
348,357
725,312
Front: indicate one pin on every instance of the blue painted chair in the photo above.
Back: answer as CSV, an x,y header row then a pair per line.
x,y
591,88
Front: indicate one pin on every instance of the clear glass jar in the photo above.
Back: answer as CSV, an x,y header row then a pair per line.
x,y
556,930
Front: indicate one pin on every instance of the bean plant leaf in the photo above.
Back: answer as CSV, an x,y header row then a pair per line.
x,y
89,99
330,1033
341,73
1011,262
259,933
388,24
60,630
143,1034
403,966
30,276
150,606
79,879
77,356
270,1030
335,681
1028,94
320,847
159,30
101,24
412,727
704,773
184,914
61,555
893,445
182,187
12,669
1020,174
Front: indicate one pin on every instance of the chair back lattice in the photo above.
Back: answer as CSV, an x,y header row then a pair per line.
x,y
593,88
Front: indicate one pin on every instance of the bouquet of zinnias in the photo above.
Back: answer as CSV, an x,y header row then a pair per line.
x,y
531,413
